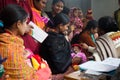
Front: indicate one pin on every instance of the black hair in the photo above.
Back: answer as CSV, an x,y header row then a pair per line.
x,y
66,10
56,1
11,14
107,24
92,24
60,18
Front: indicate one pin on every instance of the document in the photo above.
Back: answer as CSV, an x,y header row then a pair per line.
x,y
107,65
37,33
112,61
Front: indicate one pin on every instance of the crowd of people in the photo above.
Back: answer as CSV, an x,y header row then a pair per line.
x,y
73,38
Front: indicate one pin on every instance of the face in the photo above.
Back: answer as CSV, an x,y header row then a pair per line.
x,y
94,30
80,13
22,27
64,29
40,5
75,13
58,7
76,49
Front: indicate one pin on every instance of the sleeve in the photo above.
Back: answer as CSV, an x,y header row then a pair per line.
x,y
85,38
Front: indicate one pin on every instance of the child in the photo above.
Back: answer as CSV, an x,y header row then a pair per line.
x,y
78,56
75,20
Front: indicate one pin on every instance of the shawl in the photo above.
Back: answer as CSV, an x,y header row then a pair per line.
x,y
37,18
105,48
15,66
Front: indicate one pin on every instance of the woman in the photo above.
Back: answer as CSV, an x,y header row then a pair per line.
x,y
29,42
57,7
56,49
107,45
11,45
87,36
37,7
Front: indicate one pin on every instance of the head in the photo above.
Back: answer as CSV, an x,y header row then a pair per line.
x,y
76,48
107,24
39,4
92,26
14,18
66,10
80,13
75,12
89,14
57,6
60,23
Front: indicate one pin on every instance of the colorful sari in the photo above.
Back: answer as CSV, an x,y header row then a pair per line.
x,y
37,18
15,66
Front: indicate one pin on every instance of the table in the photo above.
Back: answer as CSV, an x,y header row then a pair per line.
x,y
77,75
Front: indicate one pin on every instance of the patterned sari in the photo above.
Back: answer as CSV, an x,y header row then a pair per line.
x,y
15,66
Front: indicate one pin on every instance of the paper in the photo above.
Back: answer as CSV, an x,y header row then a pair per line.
x,y
92,72
37,33
97,66
112,61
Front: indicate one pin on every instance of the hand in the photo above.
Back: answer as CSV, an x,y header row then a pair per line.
x,y
84,46
76,60
58,77
29,28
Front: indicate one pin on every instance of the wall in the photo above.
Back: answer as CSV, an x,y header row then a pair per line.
x,y
83,4
103,7
99,7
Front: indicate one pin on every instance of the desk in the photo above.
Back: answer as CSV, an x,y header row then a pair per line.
x,y
77,75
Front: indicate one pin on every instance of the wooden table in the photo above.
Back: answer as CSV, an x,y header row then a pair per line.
x,y
73,76
77,75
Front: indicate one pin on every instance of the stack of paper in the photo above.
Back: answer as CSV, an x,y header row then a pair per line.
x,y
107,65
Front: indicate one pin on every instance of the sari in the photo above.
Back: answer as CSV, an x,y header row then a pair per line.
x,y
29,42
37,18
11,46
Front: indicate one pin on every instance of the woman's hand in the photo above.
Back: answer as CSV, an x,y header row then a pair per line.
x,y
84,46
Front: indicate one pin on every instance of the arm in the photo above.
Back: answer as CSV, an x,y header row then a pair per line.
x,y
89,48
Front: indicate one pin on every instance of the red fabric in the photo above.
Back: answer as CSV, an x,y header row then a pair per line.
x,y
31,44
22,3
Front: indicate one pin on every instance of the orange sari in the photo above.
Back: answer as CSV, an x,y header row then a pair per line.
x,y
15,66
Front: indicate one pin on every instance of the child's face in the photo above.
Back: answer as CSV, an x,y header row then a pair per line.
x,y
80,13
75,13
76,49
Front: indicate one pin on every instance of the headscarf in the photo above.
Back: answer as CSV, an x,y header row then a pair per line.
x,y
37,18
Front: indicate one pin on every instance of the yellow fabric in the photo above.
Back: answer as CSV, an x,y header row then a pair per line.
x,y
35,64
15,66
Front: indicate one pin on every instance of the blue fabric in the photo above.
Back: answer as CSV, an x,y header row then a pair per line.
x,y
92,36
1,24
